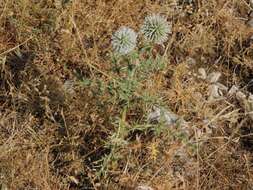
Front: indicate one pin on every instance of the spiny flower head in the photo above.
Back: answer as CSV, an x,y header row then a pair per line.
x,y
124,40
156,29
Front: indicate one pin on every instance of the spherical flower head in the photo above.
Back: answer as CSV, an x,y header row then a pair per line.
x,y
156,29
124,40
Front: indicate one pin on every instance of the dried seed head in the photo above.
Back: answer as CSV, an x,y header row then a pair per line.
x,y
156,29
124,40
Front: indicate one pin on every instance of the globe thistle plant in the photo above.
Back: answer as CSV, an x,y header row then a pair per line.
x,y
124,40
156,29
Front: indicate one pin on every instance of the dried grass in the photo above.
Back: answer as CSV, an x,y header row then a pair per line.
x,y
50,139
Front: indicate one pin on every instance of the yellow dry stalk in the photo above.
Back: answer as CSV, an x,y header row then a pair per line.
x,y
153,150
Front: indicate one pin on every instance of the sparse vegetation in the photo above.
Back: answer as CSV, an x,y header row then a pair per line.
x,y
86,104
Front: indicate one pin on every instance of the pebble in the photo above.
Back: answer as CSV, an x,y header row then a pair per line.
x,y
213,77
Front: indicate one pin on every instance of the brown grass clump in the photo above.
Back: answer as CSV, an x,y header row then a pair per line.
x,y
64,123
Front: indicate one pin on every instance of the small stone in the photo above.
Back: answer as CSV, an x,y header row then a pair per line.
x,y
214,92
214,77
240,96
160,115
202,73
